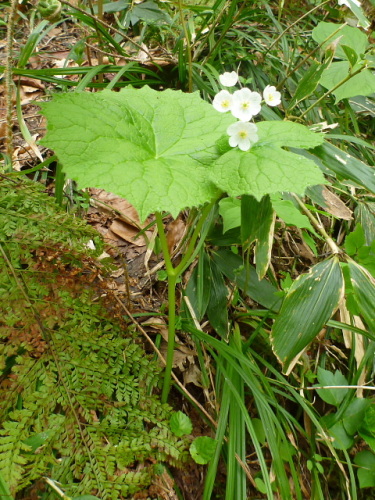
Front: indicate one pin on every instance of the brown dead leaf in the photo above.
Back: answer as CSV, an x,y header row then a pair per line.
x,y
129,233
193,375
335,206
29,83
163,487
176,230
125,210
158,324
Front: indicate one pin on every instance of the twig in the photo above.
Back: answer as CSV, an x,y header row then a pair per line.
x,y
318,226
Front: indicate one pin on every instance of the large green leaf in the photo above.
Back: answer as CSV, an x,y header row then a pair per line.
x,y
289,134
159,149
351,37
153,148
289,213
309,304
257,225
361,84
266,168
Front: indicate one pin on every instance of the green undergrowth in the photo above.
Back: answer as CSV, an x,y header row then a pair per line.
x,y
75,384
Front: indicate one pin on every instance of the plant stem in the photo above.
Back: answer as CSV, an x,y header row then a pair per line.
x,y
188,47
173,274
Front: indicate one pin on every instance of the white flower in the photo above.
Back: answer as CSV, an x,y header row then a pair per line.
x,y
223,101
228,79
345,2
243,135
271,96
246,104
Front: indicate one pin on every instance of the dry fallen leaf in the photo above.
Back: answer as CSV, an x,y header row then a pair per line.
x,y
335,206
129,233
176,230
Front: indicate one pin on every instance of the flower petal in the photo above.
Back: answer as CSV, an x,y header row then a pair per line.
x,y
271,96
223,101
228,79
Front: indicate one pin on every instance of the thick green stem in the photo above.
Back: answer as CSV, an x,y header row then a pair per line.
x,y
173,274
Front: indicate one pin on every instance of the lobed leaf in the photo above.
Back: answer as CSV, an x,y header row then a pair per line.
x,y
153,148
264,169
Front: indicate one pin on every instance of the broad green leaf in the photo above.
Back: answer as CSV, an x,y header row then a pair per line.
x,y
352,37
217,310
289,134
361,84
153,148
266,168
355,240
354,414
233,268
230,211
364,291
257,225
289,213
180,424
366,473
309,304
341,439
327,378
202,449
344,165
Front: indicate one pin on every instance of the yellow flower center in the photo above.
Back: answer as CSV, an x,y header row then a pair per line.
x,y
243,134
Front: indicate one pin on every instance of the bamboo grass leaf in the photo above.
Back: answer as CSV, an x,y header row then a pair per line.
x,y
258,224
364,292
309,304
